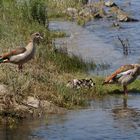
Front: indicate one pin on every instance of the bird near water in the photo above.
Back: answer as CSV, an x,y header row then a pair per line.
x,y
22,55
124,75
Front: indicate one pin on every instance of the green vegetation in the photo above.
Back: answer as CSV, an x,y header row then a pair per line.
x,y
75,10
46,76
56,8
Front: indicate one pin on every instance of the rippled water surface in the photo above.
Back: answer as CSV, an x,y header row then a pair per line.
x,y
98,40
110,118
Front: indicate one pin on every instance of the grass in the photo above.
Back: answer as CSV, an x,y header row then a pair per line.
x,y
46,76
83,12
134,87
40,76
56,8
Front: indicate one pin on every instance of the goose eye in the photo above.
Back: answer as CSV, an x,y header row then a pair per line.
x,y
37,34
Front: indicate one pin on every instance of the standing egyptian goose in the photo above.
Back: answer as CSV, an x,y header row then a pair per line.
x,y
124,75
22,55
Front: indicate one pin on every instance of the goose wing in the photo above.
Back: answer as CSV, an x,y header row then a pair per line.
x,y
119,72
13,52
125,73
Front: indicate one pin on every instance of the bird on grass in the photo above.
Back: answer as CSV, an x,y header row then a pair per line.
x,y
124,75
22,55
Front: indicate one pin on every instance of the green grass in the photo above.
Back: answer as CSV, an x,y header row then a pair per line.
x,y
40,76
58,10
46,76
134,87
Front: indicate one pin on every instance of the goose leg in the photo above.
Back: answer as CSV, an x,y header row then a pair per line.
x,y
20,67
125,89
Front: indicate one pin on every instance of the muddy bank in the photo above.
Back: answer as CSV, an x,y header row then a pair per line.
x,y
99,10
18,107
81,42
84,123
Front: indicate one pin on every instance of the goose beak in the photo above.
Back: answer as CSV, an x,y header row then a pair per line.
x,y
41,37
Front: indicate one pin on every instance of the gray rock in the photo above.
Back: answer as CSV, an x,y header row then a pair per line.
x,y
33,102
122,18
49,107
110,3
71,12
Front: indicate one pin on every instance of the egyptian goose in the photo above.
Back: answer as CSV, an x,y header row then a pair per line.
x,y
125,75
22,55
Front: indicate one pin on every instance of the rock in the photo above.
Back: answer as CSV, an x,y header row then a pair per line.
x,y
31,101
116,25
71,12
122,18
121,15
49,107
110,4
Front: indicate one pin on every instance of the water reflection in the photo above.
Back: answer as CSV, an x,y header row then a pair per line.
x,y
98,41
111,117
21,131
125,117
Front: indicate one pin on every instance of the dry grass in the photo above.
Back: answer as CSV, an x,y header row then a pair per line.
x,y
41,76
46,75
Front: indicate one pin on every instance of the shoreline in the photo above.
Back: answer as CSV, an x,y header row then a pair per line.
x,y
44,79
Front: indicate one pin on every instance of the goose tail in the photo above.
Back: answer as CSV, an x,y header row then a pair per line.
x,y
2,60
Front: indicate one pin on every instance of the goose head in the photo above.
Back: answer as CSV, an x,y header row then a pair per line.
x,y
36,37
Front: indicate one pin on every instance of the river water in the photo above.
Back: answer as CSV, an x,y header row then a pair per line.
x,y
110,118
98,41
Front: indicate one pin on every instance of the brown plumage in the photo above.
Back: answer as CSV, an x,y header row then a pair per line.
x,y
124,75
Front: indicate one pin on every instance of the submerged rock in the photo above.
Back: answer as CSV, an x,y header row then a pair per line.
x,y
121,15
124,18
116,24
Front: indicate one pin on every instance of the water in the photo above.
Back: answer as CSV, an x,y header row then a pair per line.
x,y
97,122
98,40
109,118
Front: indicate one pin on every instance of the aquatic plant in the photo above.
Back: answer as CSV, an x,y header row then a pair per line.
x,y
126,46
